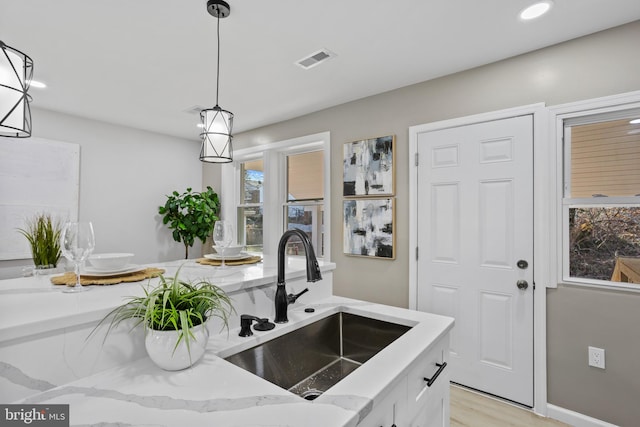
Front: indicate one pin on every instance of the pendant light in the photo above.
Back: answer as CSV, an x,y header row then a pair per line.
x,y
16,70
216,122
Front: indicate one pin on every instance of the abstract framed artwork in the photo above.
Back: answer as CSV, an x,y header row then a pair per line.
x,y
369,167
369,227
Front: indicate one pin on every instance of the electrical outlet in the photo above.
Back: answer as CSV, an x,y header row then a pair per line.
x,y
596,357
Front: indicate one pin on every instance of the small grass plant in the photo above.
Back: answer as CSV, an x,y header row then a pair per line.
x,y
174,305
43,234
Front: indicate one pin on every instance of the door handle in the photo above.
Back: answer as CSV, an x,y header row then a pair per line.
x,y
522,284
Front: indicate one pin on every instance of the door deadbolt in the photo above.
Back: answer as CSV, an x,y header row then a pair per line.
x,y
522,284
522,264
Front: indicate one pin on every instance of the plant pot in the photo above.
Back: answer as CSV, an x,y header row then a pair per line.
x,y
160,346
45,270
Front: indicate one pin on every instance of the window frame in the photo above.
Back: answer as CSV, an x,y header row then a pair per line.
x,y
318,229
286,203
601,109
240,201
274,156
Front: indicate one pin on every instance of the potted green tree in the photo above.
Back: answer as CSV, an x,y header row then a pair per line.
x,y
43,234
174,315
190,215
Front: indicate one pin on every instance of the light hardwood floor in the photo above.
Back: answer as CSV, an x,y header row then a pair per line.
x,y
471,409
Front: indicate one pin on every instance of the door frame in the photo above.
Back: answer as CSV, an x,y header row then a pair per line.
x,y
543,211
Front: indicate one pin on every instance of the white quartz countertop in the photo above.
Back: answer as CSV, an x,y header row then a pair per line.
x,y
32,305
215,392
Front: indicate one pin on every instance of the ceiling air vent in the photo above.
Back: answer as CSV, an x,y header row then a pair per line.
x,y
195,109
315,59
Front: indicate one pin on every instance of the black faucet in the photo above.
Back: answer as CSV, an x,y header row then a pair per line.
x,y
282,300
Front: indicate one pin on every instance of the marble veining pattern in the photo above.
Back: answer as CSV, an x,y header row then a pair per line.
x,y
167,402
17,376
350,403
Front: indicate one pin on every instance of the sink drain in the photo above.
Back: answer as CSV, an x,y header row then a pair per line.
x,y
311,394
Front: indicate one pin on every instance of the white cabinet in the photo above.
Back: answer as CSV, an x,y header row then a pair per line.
x,y
419,399
435,411
392,410
428,387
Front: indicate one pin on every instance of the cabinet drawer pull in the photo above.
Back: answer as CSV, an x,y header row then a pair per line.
x,y
431,380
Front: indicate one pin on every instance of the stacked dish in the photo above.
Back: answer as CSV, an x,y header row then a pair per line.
x,y
237,257
229,251
109,264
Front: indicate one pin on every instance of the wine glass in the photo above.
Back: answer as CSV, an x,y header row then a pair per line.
x,y
77,242
222,237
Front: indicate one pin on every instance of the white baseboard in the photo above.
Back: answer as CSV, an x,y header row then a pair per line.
x,y
575,419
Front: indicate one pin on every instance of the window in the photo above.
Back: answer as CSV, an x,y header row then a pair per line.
x,y
601,199
250,209
304,207
272,188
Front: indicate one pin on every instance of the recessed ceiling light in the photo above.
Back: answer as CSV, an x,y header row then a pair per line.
x,y
200,125
635,122
39,85
536,10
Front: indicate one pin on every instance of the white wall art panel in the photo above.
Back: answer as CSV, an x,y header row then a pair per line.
x,y
37,176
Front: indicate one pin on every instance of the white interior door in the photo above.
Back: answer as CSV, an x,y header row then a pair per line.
x,y
475,223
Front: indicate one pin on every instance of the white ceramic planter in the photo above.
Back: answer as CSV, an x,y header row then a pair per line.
x,y
160,345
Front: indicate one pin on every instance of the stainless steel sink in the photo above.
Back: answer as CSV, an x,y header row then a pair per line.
x,y
311,359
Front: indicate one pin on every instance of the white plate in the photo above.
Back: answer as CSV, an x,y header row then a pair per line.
x,y
129,268
217,257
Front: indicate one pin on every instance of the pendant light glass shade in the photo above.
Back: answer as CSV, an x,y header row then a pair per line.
x,y
217,136
16,70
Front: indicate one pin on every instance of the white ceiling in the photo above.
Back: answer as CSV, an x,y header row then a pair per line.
x,y
144,63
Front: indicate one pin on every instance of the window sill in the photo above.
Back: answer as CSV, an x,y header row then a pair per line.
x,y
601,284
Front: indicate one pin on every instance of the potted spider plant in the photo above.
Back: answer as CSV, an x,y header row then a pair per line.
x,y
174,315
43,234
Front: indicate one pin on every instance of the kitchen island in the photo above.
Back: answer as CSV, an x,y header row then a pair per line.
x,y
115,383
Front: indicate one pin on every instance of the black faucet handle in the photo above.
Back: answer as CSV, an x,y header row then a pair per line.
x,y
294,297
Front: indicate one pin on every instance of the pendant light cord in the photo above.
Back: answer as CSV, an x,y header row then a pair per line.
x,y
218,65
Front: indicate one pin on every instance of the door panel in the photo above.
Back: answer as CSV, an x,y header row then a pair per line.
x,y
496,329
447,300
446,223
475,210
495,223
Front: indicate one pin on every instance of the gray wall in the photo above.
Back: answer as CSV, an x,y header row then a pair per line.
x,y
580,317
125,174
602,64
